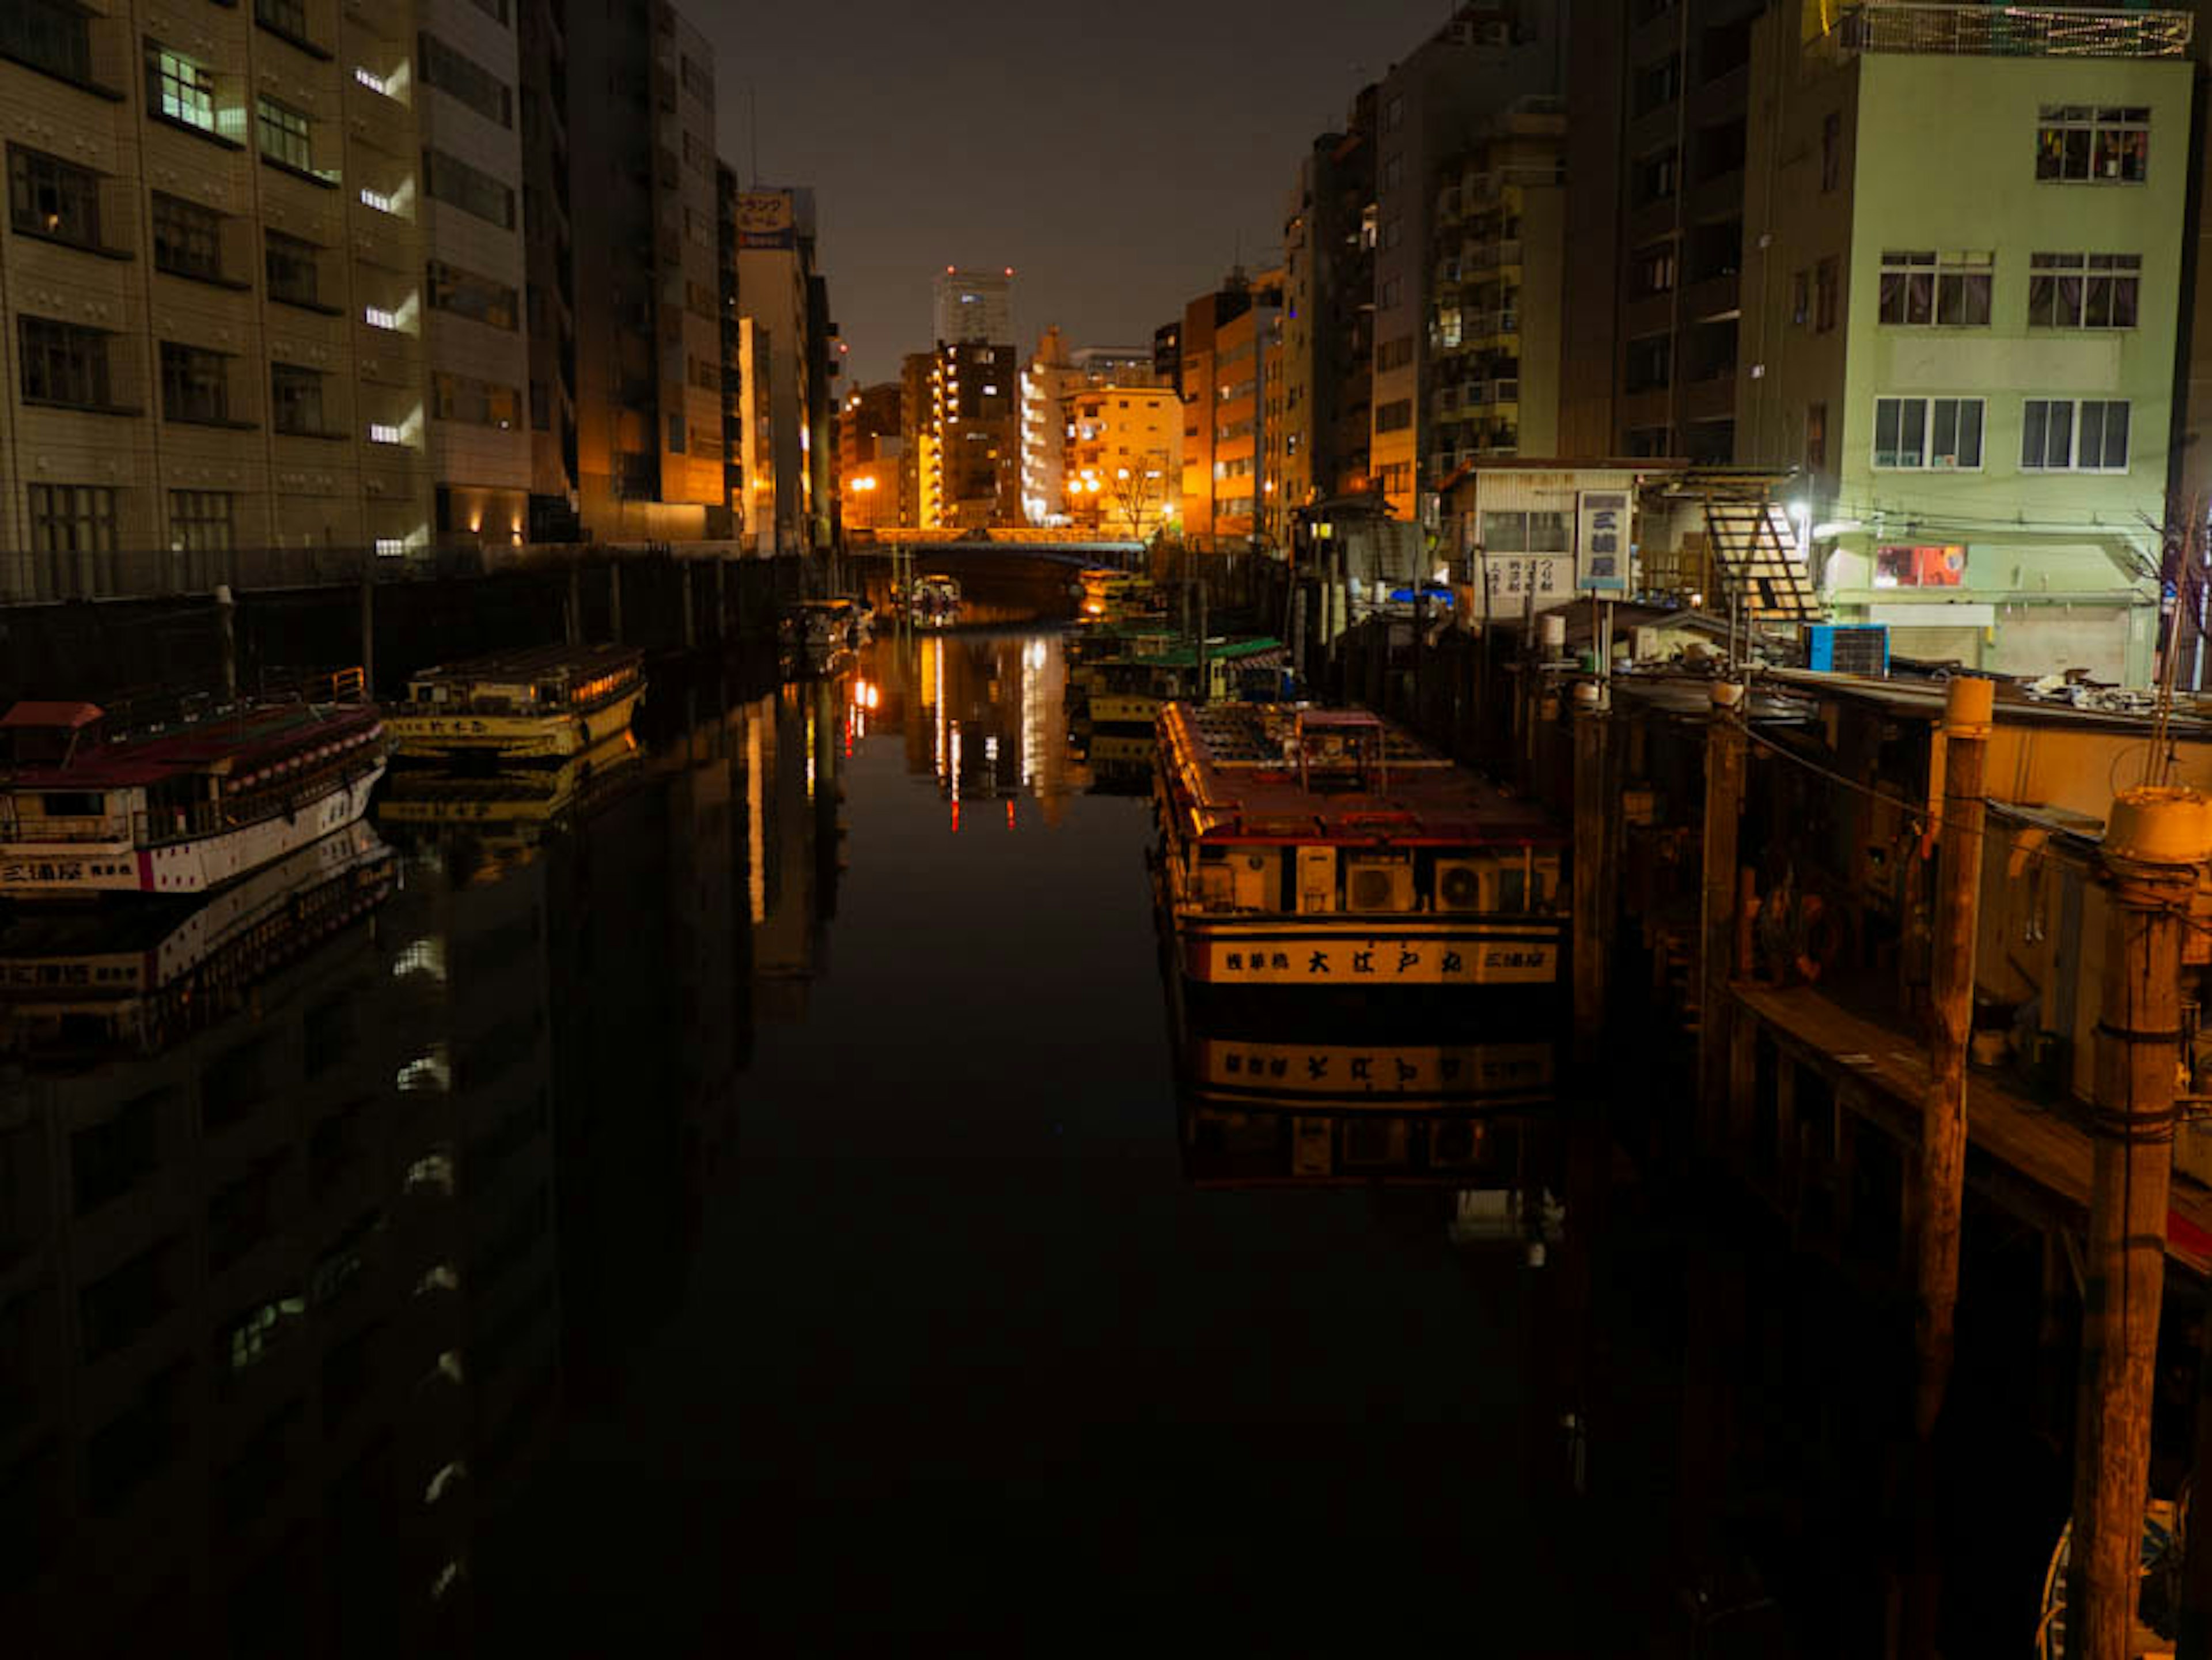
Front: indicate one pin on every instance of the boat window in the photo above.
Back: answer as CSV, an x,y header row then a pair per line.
x,y
73,804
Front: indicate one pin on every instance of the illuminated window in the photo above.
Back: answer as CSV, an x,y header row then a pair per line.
x,y
2092,144
179,90
1913,566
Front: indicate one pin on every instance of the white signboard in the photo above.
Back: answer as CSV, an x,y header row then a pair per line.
x,y
1602,541
1515,584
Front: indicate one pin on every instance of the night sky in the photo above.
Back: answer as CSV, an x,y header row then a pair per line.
x,y
1112,153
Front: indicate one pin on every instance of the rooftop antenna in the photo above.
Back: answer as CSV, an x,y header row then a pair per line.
x,y
752,119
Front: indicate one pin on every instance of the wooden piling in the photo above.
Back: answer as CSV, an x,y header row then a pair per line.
x,y
1592,916
1942,1174
2150,856
614,597
1724,774
369,636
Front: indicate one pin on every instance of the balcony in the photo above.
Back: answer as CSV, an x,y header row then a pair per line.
x,y
1978,31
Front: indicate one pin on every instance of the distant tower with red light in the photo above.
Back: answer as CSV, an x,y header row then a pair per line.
x,y
975,306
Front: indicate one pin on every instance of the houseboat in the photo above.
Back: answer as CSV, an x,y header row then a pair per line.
x,y
539,704
1117,596
1327,849
76,977
516,805
182,809
1130,690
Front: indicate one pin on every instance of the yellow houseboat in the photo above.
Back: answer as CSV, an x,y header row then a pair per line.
x,y
1327,849
1116,596
540,704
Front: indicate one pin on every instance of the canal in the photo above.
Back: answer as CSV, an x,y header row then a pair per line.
x,y
760,1192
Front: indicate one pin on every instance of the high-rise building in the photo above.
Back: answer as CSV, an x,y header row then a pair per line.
x,y
1973,364
1494,315
1430,108
1655,145
790,447
641,207
213,309
974,306
479,349
1328,322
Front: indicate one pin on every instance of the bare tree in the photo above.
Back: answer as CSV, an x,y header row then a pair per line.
x,y
1140,490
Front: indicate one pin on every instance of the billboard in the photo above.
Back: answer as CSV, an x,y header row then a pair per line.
x,y
1602,541
765,219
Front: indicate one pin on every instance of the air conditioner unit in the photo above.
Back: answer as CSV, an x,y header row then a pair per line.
x,y
1377,884
1460,884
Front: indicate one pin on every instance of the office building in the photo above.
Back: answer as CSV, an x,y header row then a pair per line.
x,y
789,445
871,448
1230,344
974,306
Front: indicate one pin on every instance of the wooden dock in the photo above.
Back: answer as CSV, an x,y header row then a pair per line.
x,y
2028,1157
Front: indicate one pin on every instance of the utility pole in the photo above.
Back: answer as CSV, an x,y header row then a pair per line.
x,y
2154,842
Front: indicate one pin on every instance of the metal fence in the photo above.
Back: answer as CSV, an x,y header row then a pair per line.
x,y
1985,31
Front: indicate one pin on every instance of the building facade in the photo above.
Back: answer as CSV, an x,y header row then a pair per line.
x,y
1230,344
480,423
1655,146
784,379
870,447
1328,317
973,306
211,331
1494,321
1428,109
1973,365
649,306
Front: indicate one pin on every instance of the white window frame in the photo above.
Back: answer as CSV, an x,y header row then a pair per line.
x,y
2073,407
1929,407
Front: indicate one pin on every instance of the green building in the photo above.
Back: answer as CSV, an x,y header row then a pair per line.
x,y
1963,268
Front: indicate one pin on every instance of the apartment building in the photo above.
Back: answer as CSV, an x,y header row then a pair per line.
x,y
1973,363
1495,322
1329,318
1230,344
970,439
1656,146
211,329
1430,108
648,300
1123,466
478,348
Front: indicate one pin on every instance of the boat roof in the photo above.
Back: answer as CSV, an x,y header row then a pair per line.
x,y
237,742
1232,774
536,662
1183,655
30,713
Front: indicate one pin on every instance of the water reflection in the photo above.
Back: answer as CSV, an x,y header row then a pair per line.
x,y
322,1197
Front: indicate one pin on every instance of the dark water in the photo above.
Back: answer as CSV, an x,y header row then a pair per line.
x,y
747,1204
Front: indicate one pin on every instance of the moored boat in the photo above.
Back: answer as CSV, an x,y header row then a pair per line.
x,y
1130,690
1314,848
935,600
184,808
1117,596
511,805
538,705
78,977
